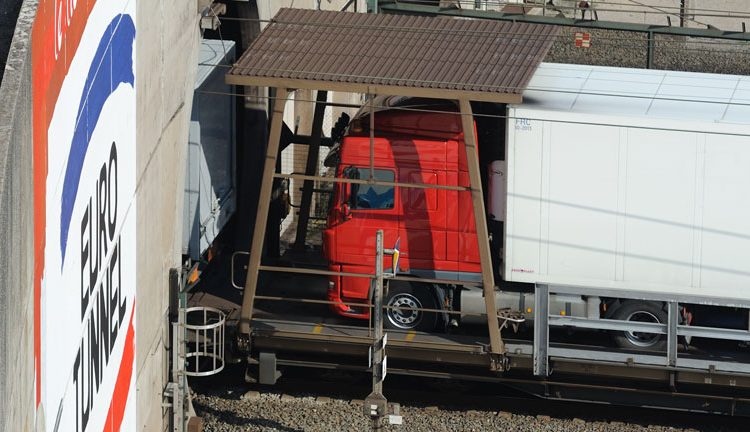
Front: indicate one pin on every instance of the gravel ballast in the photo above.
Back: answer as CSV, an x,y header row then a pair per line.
x,y
628,49
278,412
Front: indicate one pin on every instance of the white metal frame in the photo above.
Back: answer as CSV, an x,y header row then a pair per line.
x,y
543,320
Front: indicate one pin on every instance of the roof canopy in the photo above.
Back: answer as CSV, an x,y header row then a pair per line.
x,y
434,57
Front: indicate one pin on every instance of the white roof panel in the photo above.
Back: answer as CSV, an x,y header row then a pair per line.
x,y
640,92
213,53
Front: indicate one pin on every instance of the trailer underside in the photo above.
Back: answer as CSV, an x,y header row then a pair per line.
x,y
709,376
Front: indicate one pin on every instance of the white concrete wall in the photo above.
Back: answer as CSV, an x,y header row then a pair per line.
x,y
167,44
700,13
268,8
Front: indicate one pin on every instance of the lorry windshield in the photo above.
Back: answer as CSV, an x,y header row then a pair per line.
x,y
370,197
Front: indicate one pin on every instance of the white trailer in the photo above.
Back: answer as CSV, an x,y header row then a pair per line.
x,y
210,190
633,187
631,180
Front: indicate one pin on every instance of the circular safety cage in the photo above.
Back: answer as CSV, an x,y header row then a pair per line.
x,y
204,341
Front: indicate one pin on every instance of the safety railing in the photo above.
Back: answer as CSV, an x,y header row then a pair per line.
x,y
205,328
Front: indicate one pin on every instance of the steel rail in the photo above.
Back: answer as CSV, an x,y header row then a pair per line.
x,y
560,353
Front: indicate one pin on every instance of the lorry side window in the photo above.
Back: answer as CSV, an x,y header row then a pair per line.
x,y
370,197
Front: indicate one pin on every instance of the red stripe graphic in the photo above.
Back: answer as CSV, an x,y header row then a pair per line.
x,y
48,73
122,385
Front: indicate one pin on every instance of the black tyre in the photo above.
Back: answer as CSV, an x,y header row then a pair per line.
x,y
403,300
641,311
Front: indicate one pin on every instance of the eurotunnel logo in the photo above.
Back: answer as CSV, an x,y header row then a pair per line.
x,y
102,80
84,149
64,10
103,304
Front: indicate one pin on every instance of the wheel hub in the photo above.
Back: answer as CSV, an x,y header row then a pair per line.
x,y
403,314
642,339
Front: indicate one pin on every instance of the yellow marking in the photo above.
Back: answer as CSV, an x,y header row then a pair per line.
x,y
410,335
528,310
562,312
318,329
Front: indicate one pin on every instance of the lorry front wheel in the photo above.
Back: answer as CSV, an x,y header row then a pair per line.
x,y
641,311
403,302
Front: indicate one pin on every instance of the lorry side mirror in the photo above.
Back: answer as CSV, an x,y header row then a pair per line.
x,y
350,189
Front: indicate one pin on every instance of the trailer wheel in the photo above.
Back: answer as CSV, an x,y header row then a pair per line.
x,y
641,311
403,300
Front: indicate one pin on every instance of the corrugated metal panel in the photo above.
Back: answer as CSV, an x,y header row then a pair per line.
x,y
395,54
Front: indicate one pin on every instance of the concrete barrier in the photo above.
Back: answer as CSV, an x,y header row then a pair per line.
x,y
16,232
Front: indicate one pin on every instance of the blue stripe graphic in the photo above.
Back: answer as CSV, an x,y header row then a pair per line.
x,y
112,65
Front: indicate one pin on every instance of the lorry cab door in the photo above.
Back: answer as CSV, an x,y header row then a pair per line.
x,y
370,208
423,219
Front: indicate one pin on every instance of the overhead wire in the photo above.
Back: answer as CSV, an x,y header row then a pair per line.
x,y
678,14
715,13
484,33
515,38
624,71
505,88
400,28
482,115
675,98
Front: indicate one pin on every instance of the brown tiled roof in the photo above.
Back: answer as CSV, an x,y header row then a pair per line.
x,y
395,54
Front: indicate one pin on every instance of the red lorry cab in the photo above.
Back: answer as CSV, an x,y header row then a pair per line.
x,y
436,226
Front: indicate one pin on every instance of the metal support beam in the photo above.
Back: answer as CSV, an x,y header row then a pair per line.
x,y
497,346
673,318
178,384
288,137
261,219
376,405
350,3
650,51
272,247
541,331
311,168
425,9
372,136
683,12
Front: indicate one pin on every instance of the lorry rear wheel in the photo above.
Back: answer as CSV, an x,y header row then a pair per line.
x,y
403,302
641,311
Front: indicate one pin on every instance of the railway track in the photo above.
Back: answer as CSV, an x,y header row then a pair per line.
x,y
332,400
461,404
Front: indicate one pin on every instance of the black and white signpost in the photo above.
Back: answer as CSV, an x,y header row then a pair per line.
x,y
376,405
